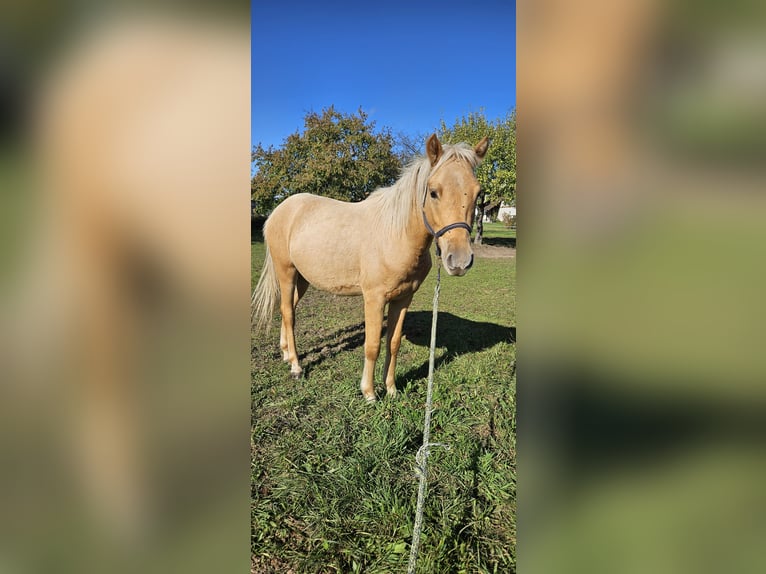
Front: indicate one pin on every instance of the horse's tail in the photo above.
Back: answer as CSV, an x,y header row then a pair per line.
x,y
266,294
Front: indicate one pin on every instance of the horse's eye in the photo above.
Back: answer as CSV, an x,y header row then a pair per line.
x,y
434,195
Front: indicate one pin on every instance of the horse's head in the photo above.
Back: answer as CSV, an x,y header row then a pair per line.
x,y
450,202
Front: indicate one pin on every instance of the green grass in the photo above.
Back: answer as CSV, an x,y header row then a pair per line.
x,y
498,234
333,485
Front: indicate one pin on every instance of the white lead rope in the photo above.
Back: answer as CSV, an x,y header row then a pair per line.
x,y
421,458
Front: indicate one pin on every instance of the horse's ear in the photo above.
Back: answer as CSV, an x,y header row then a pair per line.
x,y
481,147
433,149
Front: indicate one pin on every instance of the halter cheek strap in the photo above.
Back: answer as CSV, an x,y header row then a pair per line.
x,y
443,230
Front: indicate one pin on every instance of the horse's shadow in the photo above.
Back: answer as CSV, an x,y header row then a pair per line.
x,y
456,335
500,241
344,339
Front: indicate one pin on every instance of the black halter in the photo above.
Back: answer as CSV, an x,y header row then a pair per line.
x,y
443,230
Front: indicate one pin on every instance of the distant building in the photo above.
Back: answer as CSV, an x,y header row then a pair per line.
x,y
498,215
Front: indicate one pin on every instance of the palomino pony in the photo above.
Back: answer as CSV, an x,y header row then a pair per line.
x,y
377,248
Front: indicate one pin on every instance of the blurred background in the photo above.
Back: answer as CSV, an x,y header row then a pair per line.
x,y
124,279
124,165
642,395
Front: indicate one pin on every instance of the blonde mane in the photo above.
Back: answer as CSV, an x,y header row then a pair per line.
x,y
395,204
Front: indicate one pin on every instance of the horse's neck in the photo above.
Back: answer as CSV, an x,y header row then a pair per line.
x,y
407,231
417,236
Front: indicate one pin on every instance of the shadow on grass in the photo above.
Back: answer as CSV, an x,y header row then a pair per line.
x,y
459,336
500,241
344,339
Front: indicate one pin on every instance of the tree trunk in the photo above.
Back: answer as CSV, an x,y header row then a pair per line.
x,y
480,223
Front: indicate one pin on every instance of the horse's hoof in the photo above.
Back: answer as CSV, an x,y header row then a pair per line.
x,y
371,400
296,376
391,393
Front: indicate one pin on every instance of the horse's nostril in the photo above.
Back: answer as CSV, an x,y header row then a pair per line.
x,y
470,262
448,260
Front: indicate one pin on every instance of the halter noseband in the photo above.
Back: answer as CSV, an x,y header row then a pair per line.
x,y
443,230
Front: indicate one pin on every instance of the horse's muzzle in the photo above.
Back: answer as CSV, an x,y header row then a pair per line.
x,y
456,264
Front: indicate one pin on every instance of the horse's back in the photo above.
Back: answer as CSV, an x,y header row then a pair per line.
x,y
307,214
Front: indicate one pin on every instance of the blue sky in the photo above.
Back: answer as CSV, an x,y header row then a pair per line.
x,y
406,64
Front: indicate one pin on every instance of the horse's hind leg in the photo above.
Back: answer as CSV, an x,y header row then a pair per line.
x,y
300,289
290,287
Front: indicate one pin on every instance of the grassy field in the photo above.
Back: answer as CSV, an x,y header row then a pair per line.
x,y
333,487
498,234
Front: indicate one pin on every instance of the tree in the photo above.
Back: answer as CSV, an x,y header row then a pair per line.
x,y
497,173
338,155
408,146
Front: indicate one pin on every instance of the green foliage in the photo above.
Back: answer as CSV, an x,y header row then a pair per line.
x,y
337,155
497,173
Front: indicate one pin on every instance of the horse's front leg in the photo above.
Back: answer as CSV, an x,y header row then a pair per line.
x,y
373,321
396,312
